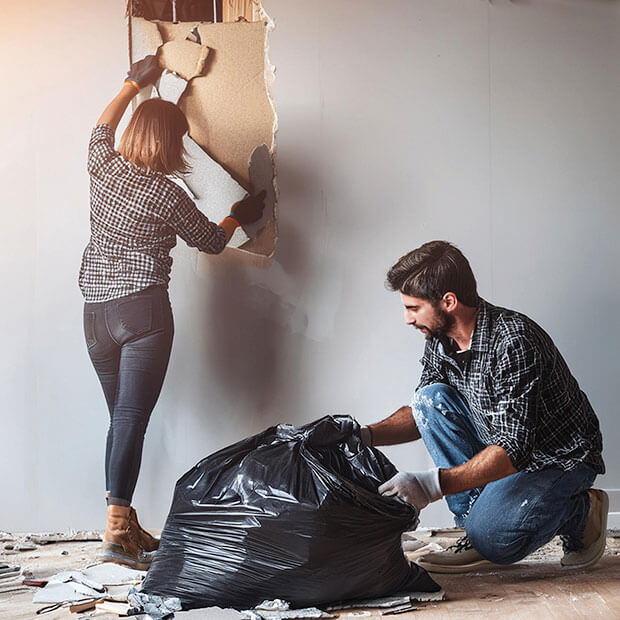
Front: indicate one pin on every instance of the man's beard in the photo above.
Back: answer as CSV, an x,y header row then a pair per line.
x,y
444,323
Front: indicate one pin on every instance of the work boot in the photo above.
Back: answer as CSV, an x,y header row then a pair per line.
x,y
460,557
587,549
145,540
120,542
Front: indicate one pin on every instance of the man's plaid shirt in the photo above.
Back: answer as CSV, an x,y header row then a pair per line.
x,y
521,393
135,217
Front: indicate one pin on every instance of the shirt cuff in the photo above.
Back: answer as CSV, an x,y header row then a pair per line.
x,y
519,455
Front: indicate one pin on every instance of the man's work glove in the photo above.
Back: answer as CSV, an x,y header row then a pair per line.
x,y
144,72
418,488
250,209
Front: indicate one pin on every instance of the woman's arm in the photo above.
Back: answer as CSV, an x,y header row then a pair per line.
x,y
116,108
141,74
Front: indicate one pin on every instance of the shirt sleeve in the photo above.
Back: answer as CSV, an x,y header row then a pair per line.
x,y
100,148
518,378
195,228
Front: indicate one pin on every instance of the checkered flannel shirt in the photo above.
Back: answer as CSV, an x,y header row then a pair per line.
x,y
135,216
520,391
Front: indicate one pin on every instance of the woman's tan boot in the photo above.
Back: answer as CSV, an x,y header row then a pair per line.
x,y
145,540
120,541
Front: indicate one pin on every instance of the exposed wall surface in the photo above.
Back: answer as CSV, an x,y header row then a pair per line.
x,y
495,126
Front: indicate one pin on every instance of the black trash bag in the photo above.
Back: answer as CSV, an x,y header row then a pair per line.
x,y
291,513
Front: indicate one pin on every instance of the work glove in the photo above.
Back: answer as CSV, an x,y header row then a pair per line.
x,y
418,488
144,72
250,209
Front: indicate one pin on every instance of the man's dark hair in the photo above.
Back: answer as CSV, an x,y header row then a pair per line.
x,y
431,271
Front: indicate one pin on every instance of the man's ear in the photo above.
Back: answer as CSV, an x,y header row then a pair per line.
x,y
450,301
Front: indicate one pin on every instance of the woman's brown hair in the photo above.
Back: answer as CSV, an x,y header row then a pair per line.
x,y
154,137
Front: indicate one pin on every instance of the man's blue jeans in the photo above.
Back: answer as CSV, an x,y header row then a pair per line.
x,y
509,518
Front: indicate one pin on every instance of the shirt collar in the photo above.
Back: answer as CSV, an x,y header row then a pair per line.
x,y
482,331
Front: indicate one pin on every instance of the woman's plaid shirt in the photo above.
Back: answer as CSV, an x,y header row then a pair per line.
x,y
520,391
135,217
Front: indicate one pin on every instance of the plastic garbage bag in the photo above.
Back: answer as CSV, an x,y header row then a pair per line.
x,y
292,513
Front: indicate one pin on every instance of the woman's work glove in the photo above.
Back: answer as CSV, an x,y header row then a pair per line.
x,y
418,488
144,72
250,209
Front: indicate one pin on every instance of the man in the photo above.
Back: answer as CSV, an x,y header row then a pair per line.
x,y
515,442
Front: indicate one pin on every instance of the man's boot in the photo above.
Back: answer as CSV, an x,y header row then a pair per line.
x,y
145,540
460,557
120,541
587,549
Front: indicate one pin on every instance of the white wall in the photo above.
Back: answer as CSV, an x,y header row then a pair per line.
x,y
495,126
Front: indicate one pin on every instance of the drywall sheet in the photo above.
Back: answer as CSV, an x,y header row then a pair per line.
x,y
229,107
214,190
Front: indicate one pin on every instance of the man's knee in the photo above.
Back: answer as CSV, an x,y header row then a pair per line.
x,y
497,539
432,399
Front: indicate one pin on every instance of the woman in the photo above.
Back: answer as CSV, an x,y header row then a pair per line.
x,y
136,212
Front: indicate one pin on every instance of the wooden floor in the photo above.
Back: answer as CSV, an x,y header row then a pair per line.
x,y
537,588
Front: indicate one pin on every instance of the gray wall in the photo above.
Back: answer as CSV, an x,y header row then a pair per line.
x,y
495,126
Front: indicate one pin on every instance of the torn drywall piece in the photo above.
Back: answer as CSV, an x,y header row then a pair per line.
x,y
185,58
171,86
64,592
261,178
212,613
215,190
110,574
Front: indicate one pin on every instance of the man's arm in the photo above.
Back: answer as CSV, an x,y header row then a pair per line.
x,y
400,427
492,463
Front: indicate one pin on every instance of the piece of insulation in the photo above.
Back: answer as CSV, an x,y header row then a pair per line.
x,y
185,58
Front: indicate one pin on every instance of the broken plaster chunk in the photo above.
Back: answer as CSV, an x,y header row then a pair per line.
x,y
185,58
215,190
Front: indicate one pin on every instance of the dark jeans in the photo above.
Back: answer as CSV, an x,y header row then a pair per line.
x,y
509,518
129,341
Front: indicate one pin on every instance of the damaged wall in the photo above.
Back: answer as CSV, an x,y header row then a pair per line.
x,y
221,77
493,125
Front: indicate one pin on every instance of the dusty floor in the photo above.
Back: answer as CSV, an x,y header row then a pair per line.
x,y
535,587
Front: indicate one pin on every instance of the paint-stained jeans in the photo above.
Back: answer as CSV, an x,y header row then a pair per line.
x,y
129,341
509,518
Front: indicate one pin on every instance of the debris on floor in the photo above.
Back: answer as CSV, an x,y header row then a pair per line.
x,y
10,578
399,600
29,541
278,609
154,606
